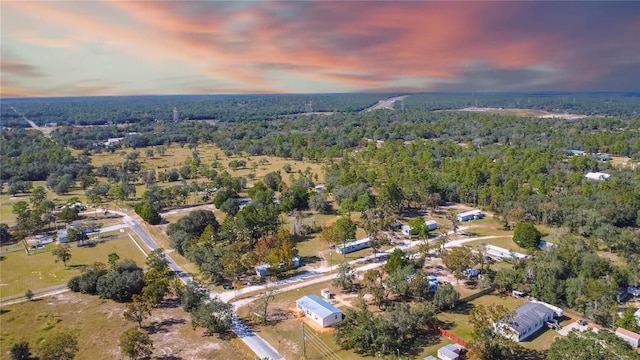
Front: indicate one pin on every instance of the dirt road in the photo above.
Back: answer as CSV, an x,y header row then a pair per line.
x,y
385,104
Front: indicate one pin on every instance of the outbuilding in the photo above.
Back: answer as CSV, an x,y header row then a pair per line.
x,y
451,352
318,310
469,215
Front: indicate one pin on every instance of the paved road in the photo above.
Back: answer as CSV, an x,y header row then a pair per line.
x,y
257,344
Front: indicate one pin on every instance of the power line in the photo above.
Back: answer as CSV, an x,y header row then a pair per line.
x,y
314,341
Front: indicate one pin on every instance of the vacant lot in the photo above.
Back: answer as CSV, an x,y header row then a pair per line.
x,y
21,272
99,324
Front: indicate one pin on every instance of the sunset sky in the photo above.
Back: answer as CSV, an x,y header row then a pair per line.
x,y
87,48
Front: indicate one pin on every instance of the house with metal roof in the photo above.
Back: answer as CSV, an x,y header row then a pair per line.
x,y
528,319
352,246
318,310
629,336
451,352
469,215
598,176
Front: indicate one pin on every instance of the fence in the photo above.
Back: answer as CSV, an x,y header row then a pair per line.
x,y
476,295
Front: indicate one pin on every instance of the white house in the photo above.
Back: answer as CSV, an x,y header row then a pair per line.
x,y
451,352
528,319
469,215
318,310
598,176
111,141
352,246
263,270
629,336
502,253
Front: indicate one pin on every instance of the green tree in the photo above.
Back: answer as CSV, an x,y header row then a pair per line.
x,y
445,297
397,260
136,343
526,235
157,261
62,252
68,215
137,310
343,231
345,277
59,345
113,260
486,343
628,320
589,345
20,351
147,213
214,315
458,259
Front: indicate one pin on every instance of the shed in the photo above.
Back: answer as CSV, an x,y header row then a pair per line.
x,y
352,246
451,352
318,310
469,215
629,336
429,358
431,225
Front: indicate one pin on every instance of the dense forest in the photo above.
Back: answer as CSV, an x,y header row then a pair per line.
x,y
131,109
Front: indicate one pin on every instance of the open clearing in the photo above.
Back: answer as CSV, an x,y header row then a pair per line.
x,y
99,324
22,272
522,112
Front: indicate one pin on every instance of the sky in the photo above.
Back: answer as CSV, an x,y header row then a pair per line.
x,y
108,47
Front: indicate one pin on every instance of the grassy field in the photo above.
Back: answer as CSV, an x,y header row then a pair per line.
x,y
286,334
457,321
99,324
22,272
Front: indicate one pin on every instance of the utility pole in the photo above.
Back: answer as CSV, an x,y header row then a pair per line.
x,y
304,344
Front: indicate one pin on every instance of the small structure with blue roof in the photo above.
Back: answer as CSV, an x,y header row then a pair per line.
x,y
318,310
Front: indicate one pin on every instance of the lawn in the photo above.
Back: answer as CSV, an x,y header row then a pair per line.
x,y
457,322
504,242
286,335
20,272
99,324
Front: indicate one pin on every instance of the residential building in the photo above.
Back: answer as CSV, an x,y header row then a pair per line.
x,y
451,352
597,176
470,215
502,253
352,246
528,319
629,336
263,270
318,310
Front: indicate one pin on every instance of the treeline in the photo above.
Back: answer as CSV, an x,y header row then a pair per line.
x,y
131,109
613,104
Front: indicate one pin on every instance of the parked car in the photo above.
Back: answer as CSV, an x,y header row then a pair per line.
x,y
582,322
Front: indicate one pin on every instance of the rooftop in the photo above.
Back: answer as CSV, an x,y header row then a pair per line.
x,y
528,315
318,306
628,333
